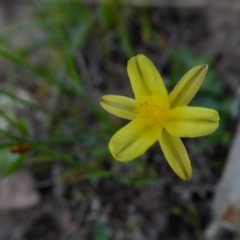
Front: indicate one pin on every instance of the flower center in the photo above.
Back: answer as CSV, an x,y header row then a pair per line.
x,y
155,110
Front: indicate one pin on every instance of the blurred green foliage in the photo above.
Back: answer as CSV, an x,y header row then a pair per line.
x,y
63,100
67,27
190,216
99,231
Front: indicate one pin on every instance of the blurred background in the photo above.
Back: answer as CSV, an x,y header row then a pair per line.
x,y
57,177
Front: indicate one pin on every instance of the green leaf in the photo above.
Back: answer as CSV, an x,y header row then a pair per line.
x,y
20,125
98,173
9,162
141,180
15,165
99,231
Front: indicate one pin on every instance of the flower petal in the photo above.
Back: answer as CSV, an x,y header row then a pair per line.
x,y
176,155
192,121
119,106
188,86
133,140
145,79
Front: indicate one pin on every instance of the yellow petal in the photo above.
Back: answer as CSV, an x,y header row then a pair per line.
x,y
145,79
192,121
188,86
176,155
133,140
119,106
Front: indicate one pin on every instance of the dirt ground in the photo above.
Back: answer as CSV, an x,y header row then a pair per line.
x,y
169,210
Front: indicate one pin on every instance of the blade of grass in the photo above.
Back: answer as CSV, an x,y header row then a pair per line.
x,y
123,31
80,32
19,28
12,56
17,59
14,166
30,104
58,38
7,134
17,125
7,144
59,156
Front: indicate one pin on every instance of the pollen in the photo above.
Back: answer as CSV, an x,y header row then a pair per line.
x,y
155,110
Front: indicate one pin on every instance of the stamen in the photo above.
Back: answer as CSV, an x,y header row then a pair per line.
x,y
155,110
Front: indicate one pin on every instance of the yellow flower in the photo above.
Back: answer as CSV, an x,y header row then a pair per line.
x,y
157,116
